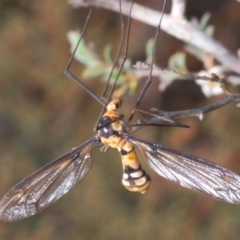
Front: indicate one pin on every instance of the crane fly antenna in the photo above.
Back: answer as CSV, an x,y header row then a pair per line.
x,y
70,74
116,59
149,80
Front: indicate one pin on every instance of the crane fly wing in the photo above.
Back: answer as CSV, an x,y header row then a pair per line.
x,y
191,172
48,184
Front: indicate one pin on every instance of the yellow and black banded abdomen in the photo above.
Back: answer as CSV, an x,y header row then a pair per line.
x,y
134,177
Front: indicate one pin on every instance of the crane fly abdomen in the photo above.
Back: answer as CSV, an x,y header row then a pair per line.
x,y
134,177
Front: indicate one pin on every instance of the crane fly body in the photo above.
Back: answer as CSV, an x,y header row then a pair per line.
x,y
112,127
48,184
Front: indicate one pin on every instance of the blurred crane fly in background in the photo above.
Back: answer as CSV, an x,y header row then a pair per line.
x,y
51,182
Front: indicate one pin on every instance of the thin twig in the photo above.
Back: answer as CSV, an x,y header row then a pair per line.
x,y
196,112
177,27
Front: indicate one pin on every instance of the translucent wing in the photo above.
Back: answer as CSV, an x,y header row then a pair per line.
x,y
48,184
191,172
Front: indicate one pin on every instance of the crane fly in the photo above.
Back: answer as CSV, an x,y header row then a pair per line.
x,y
48,184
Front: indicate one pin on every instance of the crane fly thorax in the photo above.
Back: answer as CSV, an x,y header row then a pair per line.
x,y
111,125
110,129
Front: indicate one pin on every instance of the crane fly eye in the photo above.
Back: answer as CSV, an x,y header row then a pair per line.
x,y
105,127
118,103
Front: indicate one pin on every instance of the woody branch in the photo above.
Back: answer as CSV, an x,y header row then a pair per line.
x,y
174,24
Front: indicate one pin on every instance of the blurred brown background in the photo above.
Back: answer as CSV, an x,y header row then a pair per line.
x,y
43,114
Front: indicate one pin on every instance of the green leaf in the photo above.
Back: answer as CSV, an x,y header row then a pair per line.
x,y
209,30
94,72
203,22
178,62
84,53
107,55
149,48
